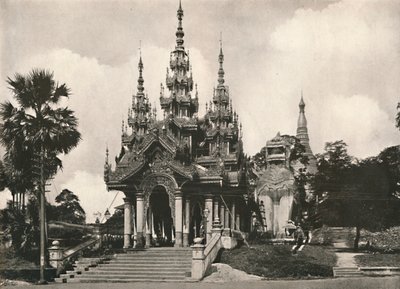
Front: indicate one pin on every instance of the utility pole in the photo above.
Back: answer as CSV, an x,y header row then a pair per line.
x,y
42,218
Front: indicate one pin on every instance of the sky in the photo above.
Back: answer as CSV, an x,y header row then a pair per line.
x,y
343,55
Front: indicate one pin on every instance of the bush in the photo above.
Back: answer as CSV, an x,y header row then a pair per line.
x,y
277,261
387,241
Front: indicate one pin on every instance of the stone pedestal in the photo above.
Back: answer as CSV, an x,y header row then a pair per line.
x,y
198,260
55,255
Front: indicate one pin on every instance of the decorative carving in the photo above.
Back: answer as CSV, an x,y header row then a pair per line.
x,y
159,179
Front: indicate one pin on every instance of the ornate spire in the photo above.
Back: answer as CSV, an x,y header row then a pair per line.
x,y
179,32
140,79
302,131
221,72
302,121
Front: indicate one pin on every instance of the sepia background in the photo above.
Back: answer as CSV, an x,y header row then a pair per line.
x,y
343,55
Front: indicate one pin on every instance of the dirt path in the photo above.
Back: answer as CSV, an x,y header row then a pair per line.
x,y
345,258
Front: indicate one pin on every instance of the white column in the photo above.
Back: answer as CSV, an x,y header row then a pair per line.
x,y
216,210
139,219
233,215
187,223
226,224
178,218
222,215
127,222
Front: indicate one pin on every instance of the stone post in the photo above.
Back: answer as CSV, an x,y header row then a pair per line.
x,y
178,218
127,222
233,216
209,207
55,255
198,259
139,220
187,223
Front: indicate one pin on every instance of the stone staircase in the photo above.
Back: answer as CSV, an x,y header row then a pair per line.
x,y
347,272
154,264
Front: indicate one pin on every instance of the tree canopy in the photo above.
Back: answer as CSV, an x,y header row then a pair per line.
x,y
36,124
68,208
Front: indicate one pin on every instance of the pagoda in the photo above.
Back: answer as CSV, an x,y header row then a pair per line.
x,y
183,173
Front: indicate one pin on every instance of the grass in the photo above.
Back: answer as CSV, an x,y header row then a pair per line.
x,y
277,261
8,261
378,260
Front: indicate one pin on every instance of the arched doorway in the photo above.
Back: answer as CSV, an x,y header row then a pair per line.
x,y
161,218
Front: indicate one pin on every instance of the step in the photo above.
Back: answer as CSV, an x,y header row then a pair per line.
x,y
132,273
138,276
151,256
118,280
129,268
146,261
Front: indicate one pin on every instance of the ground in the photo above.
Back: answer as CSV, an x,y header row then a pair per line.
x,y
351,283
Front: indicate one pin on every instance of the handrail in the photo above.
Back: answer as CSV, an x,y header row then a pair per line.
x,y
213,242
204,256
73,251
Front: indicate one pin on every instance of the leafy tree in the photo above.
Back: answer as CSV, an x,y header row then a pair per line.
x,y
390,159
355,192
37,126
68,208
332,166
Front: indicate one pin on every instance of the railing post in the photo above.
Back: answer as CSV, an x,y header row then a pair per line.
x,y
56,255
198,259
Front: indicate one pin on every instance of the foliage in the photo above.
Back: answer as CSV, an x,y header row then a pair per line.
x,y
332,165
21,226
378,260
68,208
387,241
35,125
277,261
355,192
398,116
390,160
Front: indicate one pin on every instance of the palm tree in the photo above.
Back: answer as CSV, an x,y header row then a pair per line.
x,y
36,131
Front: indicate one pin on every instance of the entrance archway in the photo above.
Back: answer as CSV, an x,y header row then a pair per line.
x,y
161,217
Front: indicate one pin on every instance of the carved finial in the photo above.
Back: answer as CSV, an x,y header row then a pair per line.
x,y
107,153
179,32
197,92
221,72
